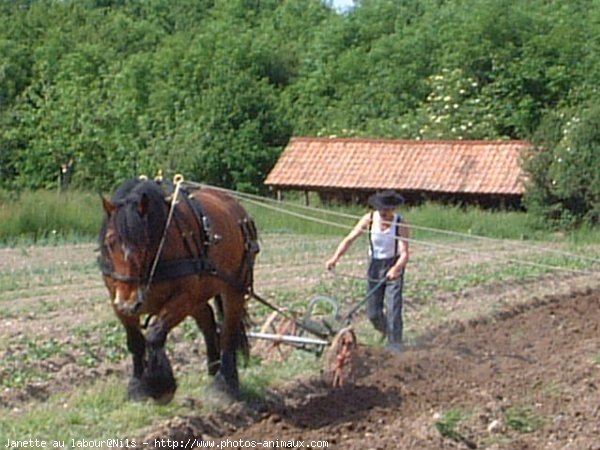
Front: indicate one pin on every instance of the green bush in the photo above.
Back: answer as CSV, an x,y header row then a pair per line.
x,y
564,177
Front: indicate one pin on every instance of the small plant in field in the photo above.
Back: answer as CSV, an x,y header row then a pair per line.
x,y
113,337
448,423
89,357
552,389
523,419
42,350
596,359
19,366
100,341
17,377
435,313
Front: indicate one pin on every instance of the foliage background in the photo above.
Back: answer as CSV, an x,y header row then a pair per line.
x,y
215,88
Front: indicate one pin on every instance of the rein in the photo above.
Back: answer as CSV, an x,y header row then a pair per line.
x,y
178,180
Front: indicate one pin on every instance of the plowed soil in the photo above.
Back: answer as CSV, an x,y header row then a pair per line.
x,y
527,377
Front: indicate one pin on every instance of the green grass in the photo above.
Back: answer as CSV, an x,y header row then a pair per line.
x,y
448,423
523,419
88,412
100,409
49,217
44,277
475,221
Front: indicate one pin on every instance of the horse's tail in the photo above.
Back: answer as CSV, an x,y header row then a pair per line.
x,y
251,249
243,344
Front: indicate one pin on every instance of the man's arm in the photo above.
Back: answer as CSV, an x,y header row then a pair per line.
x,y
359,228
403,250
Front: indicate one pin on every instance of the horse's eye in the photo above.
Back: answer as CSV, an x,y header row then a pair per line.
x,y
110,241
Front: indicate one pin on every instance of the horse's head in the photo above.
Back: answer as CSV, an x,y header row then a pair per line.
x,y
129,240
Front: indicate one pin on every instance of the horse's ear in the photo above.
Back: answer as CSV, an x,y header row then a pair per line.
x,y
108,206
143,205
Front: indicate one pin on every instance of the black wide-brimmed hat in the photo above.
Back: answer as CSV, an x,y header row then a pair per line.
x,y
385,199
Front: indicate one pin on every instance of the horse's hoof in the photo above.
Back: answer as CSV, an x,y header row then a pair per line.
x,y
136,391
223,391
160,389
164,398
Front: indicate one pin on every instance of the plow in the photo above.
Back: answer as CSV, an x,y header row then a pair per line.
x,y
321,330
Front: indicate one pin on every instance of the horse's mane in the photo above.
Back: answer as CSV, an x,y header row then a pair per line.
x,y
132,228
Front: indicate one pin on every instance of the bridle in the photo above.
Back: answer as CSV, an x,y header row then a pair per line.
x,y
127,279
144,283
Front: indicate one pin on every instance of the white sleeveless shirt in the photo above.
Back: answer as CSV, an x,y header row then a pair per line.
x,y
383,242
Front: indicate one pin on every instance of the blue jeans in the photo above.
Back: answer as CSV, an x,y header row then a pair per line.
x,y
388,297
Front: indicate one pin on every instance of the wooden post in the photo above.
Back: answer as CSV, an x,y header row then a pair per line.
x,y
306,199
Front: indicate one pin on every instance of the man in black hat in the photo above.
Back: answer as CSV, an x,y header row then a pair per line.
x,y
388,253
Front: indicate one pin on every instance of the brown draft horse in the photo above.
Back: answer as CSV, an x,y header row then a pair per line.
x,y
168,264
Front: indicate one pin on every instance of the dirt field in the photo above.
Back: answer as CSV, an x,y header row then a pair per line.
x,y
531,366
508,366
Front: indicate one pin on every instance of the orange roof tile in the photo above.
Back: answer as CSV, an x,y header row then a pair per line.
x,y
475,167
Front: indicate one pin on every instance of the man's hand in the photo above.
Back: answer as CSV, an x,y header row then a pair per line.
x,y
330,263
394,272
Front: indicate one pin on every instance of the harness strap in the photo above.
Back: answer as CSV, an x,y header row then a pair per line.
x,y
177,268
156,260
398,220
167,270
201,220
370,230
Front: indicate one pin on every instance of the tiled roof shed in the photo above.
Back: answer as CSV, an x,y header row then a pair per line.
x,y
367,165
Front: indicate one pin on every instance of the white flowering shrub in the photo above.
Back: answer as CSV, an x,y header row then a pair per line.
x,y
564,169
454,109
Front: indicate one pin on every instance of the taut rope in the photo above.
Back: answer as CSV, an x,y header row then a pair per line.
x,y
178,180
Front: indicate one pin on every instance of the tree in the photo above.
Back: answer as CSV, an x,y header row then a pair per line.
x,y
563,167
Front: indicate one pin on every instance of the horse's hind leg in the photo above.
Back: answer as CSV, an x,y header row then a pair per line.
x,y
205,319
232,338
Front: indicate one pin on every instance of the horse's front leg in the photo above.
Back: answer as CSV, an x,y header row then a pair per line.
x,y
136,344
158,380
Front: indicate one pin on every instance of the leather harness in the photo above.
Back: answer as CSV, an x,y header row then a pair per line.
x,y
201,264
